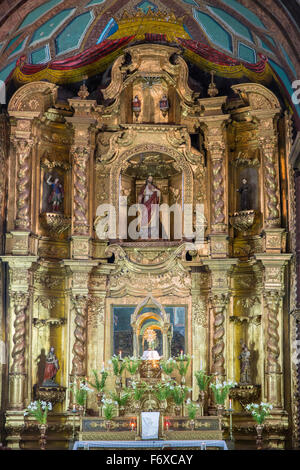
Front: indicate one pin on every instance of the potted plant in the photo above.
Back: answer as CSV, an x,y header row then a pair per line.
x,y
39,410
132,364
138,391
80,394
221,391
122,400
109,410
259,412
192,409
118,365
182,363
179,393
99,384
203,381
168,365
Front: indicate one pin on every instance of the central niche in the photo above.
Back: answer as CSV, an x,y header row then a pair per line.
x,y
152,179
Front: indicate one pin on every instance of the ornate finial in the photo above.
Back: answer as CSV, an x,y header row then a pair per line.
x,y
212,89
83,92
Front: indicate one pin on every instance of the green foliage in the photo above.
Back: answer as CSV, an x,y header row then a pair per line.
x,y
168,365
221,391
192,409
182,363
259,411
203,380
179,393
99,384
123,398
118,365
132,364
39,410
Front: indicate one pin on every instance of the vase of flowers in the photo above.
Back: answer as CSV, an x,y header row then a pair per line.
x,y
182,363
179,393
221,391
138,391
39,410
203,381
121,399
168,365
132,364
192,409
80,395
118,365
109,410
259,412
99,385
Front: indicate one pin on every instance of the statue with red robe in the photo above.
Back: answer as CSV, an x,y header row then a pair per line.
x,y
51,369
149,196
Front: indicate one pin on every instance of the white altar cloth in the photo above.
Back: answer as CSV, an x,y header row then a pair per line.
x,y
150,424
149,444
150,356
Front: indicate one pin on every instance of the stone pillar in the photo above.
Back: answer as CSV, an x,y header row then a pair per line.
x,y
19,294
274,288
82,166
219,297
216,145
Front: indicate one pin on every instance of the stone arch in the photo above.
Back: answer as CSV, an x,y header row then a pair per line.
x,y
258,95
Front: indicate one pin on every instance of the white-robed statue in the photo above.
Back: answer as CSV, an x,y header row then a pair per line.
x,y
150,354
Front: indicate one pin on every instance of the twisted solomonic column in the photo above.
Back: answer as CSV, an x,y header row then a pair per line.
x,y
219,303
218,187
272,302
80,159
80,303
20,302
23,150
271,183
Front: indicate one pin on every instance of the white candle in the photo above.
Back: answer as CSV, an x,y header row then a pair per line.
x,y
230,401
201,364
181,353
120,354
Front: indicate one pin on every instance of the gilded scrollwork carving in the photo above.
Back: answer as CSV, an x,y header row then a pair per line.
x,y
271,184
20,303
96,311
80,157
199,312
80,303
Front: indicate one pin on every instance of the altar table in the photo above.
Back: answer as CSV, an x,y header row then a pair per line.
x,y
148,444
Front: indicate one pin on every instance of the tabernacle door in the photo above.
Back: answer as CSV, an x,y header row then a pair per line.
x,y
150,425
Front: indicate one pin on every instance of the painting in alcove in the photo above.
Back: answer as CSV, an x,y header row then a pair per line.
x,y
53,192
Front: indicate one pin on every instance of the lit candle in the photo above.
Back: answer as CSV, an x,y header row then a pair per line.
x,y
181,353
230,401
103,365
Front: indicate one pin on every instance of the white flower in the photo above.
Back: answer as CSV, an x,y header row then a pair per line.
x,y
49,406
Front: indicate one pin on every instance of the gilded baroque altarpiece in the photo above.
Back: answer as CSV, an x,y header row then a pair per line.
x,y
63,283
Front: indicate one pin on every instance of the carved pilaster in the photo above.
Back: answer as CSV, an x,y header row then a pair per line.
x,y
217,154
23,150
219,304
269,146
272,303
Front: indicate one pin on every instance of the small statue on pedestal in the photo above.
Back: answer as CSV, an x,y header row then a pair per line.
x,y
245,366
136,106
164,105
244,191
51,369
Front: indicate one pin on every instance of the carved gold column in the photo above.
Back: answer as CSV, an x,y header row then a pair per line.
x,y
274,288
82,176
219,297
19,290
216,146
80,273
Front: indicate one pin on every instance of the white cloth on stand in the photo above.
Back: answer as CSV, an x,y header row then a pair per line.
x,y
150,425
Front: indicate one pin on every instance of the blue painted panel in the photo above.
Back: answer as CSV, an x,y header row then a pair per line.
x,y
238,27
145,5
286,81
40,56
4,73
216,33
190,2
72,35
48,28
248,14
247,53
12,41
109,30
19,48
288,59
38,13
95,2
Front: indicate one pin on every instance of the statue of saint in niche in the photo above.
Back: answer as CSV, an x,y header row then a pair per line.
x,y
149,196
244,190
55,199
245,366
51,369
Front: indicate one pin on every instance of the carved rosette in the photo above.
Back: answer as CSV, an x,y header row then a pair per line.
x,y
219,303
23,149
272,302
218,187
272,191
20,303
79,349
80,157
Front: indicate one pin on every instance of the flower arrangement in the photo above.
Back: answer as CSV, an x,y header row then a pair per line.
x,y
109,407
138,390
132,364
179,393
118,365
39,410
221,390
203,380
191,408
182,362
163,390
99,384
80,393
259,411
168,365
121,399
